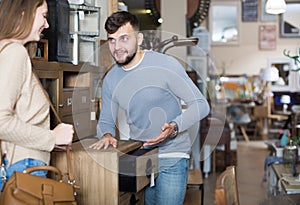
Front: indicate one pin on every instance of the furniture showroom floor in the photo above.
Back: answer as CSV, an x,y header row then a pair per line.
x,y
250,170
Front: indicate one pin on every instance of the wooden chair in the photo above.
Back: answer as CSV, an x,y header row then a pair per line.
x,y
226,192
275,121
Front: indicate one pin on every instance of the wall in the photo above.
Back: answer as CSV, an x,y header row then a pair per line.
x,y
174,22
247,57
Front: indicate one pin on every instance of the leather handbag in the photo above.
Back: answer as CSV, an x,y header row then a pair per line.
x,y
26,189
23,188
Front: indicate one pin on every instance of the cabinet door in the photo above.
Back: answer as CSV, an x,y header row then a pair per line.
x,y
58,31
51,87
132,198
81,123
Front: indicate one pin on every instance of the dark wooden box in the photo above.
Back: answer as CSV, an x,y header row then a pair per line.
x,y
135,169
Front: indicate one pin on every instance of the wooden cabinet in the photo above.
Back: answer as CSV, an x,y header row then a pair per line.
x,y
58,32
99,172
73,92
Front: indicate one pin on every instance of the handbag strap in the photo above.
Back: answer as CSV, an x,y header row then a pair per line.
x,y
68,148
69,164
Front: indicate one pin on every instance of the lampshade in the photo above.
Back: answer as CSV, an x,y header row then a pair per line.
x,y
270,74
275,6
285,99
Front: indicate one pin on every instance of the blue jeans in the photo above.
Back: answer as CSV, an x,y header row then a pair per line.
x,y
170,185
21,165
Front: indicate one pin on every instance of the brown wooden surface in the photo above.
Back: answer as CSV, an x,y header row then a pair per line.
x,y
282,169
192,7
290,199
195,177
195,189
95,171
129,198
226,191
214,130
192,197
78,84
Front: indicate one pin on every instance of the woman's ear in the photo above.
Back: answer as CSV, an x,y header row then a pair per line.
x,y
140,38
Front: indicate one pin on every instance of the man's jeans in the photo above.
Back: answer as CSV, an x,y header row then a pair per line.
x,y
21,165
170,185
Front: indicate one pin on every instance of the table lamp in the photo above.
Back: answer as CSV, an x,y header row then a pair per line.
x,y
269,75
285,100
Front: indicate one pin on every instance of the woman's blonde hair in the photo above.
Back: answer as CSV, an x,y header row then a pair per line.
x,y
17,17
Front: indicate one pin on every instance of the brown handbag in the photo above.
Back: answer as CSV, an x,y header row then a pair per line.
x,y
23,188
26,189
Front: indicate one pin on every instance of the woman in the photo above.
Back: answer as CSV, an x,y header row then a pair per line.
x,y
24,111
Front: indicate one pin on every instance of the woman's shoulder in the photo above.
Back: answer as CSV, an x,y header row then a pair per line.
x,y
13,48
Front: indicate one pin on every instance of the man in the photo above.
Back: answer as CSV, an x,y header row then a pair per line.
x,y
148,86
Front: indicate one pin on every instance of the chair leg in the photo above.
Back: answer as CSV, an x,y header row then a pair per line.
x,y
201,188
246,137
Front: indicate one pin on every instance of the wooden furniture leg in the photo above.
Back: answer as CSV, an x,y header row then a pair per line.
x,y
195,179
245,135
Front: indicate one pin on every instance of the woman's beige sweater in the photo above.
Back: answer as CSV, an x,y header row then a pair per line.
x,y
24,110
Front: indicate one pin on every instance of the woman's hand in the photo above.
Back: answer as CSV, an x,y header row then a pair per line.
x,y
64,134
104,142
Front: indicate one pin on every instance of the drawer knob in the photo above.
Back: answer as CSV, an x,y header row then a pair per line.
x,y
69,101
61,105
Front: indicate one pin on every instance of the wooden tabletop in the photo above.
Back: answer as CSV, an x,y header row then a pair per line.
x,y
124,146
195,177
290,199
281,170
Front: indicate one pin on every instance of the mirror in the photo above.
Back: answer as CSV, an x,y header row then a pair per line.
x,y
287,77
224,23
289,21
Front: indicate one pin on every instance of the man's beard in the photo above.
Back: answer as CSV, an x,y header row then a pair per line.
x,y
127,60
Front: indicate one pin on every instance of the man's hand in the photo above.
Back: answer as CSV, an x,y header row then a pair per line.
x,y
104,142
166,131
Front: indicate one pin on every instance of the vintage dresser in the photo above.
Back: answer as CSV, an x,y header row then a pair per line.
x,y
104,176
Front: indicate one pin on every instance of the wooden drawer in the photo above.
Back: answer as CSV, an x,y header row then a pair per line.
x,y
135,169
75,100
132,198
82,99
96,172
81,123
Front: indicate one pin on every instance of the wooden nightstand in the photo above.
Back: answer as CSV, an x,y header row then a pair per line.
x,y
194,185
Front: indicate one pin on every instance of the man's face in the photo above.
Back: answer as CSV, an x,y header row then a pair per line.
x,y
123,44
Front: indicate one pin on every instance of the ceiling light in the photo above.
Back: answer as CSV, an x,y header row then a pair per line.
x,y
275,6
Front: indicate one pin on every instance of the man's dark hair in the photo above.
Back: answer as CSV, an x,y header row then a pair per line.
x,y
120,18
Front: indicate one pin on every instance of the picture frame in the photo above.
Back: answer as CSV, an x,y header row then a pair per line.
x,y
41,50
249,10
267,37
264,15
290,78
289,21
224,23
